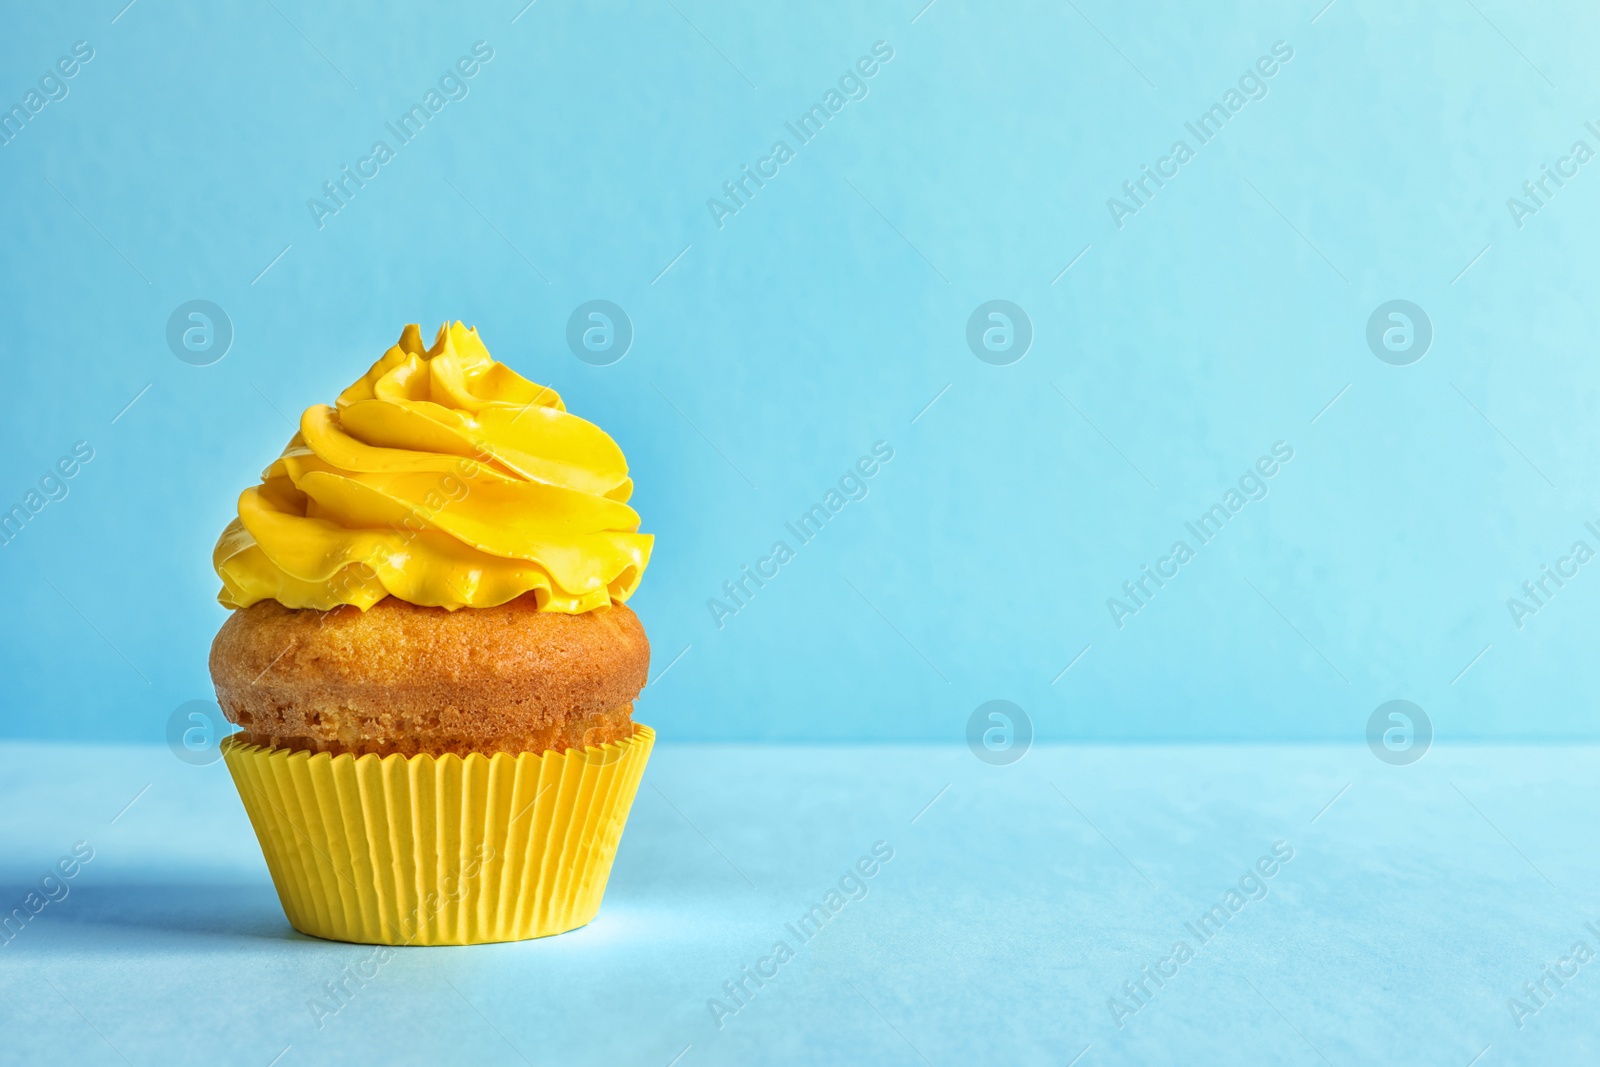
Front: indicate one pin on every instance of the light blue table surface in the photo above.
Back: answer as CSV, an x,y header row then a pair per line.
x,y
1417,903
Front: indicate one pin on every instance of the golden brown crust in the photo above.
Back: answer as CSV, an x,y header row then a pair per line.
x,y
406,679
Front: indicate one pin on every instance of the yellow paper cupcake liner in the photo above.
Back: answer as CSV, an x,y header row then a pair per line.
x,y
439,850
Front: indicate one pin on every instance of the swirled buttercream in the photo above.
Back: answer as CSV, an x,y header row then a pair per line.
x,y
445,479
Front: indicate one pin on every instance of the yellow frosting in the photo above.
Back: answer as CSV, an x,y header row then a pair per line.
x,y
443,478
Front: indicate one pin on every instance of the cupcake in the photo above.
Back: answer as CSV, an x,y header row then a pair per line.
x,y
429,655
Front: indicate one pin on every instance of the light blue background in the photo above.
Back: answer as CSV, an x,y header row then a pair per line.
x,y
825,316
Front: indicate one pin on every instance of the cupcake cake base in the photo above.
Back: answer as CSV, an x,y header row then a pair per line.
x,y
439,850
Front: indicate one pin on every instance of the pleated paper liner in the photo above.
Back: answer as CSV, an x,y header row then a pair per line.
x,y
439,850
